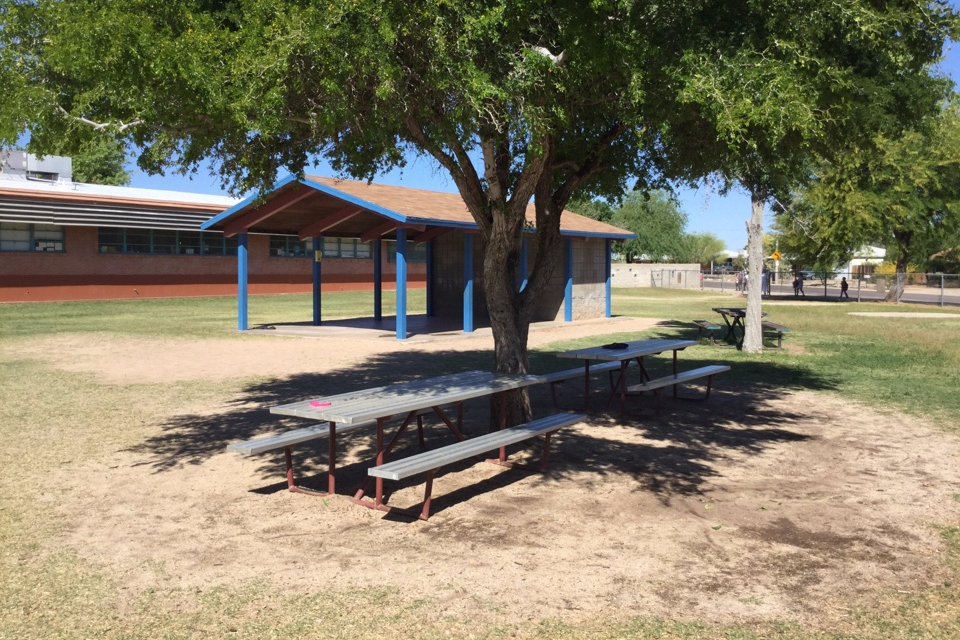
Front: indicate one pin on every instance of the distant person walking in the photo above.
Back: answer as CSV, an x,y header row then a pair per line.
x,y
765,283
844,285
798,285
740,280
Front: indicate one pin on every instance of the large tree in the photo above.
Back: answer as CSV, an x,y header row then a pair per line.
x,y
900,190
784,90
516,99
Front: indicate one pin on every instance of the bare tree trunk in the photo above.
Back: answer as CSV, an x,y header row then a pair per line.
x,y
903,258
753,332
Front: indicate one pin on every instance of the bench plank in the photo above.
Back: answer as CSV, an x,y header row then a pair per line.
x,y
709,327
775,327
290,438
779,328
430,460
683,376
566,374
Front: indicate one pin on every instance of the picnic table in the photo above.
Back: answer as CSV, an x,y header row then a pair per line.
x,y
625,353
734,317
379,404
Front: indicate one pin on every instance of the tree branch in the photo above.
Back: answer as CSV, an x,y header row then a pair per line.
x,y
460,169
100,126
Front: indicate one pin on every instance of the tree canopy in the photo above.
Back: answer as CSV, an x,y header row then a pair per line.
x,y
516,99
659,224
899,191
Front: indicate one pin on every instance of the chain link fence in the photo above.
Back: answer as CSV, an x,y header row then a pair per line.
x,y
942,289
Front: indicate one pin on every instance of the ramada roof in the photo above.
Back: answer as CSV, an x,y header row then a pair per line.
x,y
348,208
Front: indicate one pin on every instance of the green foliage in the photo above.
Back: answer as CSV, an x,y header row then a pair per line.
x,y
901,192
97,159
595,209
659,223
558,98
703,248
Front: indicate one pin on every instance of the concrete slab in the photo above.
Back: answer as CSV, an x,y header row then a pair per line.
x,y
420,328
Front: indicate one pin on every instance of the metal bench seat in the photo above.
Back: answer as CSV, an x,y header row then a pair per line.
x,y
779,328
428,462
657,384
559,377
288,439
710,327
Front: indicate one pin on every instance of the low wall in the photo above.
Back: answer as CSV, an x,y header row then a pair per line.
x,y
669,276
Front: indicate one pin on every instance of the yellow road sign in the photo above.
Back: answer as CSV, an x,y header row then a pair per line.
x,y
775,255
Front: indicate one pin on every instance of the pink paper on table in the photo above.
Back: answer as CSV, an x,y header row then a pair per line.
x,y
319,404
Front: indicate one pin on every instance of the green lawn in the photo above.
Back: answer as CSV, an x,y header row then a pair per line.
x,y
48,592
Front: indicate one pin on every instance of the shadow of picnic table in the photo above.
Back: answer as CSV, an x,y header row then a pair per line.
x,y
675,454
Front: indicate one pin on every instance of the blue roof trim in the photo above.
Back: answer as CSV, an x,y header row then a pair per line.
x,y
220,217
598,234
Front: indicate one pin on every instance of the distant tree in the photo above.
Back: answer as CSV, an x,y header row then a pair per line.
x,y
595,209
761,109
659,223
900,192
98,159
703,248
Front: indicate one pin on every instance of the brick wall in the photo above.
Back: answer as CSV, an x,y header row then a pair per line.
x,y
83,273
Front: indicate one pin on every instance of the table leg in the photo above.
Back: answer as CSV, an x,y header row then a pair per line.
x,y
675,371
623,383
503,423
332,459
454,428
586,385
380,456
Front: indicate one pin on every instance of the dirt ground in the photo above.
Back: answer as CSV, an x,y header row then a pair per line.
x,y
754,505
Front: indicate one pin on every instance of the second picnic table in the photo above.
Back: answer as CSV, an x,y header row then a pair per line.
x,y
734,317
635,350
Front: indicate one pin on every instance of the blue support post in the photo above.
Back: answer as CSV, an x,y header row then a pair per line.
x,y
523,264
317,278
468,283
608,272
430,279
568,277
377,281
401,284
242,278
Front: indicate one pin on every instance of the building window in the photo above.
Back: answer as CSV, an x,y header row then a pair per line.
x,y
165,242
22,236
346,248
290,247
415,252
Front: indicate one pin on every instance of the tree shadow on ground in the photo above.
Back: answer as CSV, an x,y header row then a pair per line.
x,y
667,453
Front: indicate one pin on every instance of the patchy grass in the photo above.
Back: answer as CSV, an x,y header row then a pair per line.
x,y
50,418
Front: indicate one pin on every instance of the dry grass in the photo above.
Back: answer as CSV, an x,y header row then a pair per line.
x,y
51,420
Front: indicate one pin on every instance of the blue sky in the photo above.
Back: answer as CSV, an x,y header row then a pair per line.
x,y
723,216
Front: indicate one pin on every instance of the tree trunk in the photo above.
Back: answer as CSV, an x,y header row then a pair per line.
x,y
753,331
511,311
903,258
500,264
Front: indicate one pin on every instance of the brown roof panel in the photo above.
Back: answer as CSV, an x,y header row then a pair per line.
x,y
401,204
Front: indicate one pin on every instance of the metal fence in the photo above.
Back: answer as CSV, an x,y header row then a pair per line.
x,y
942,289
